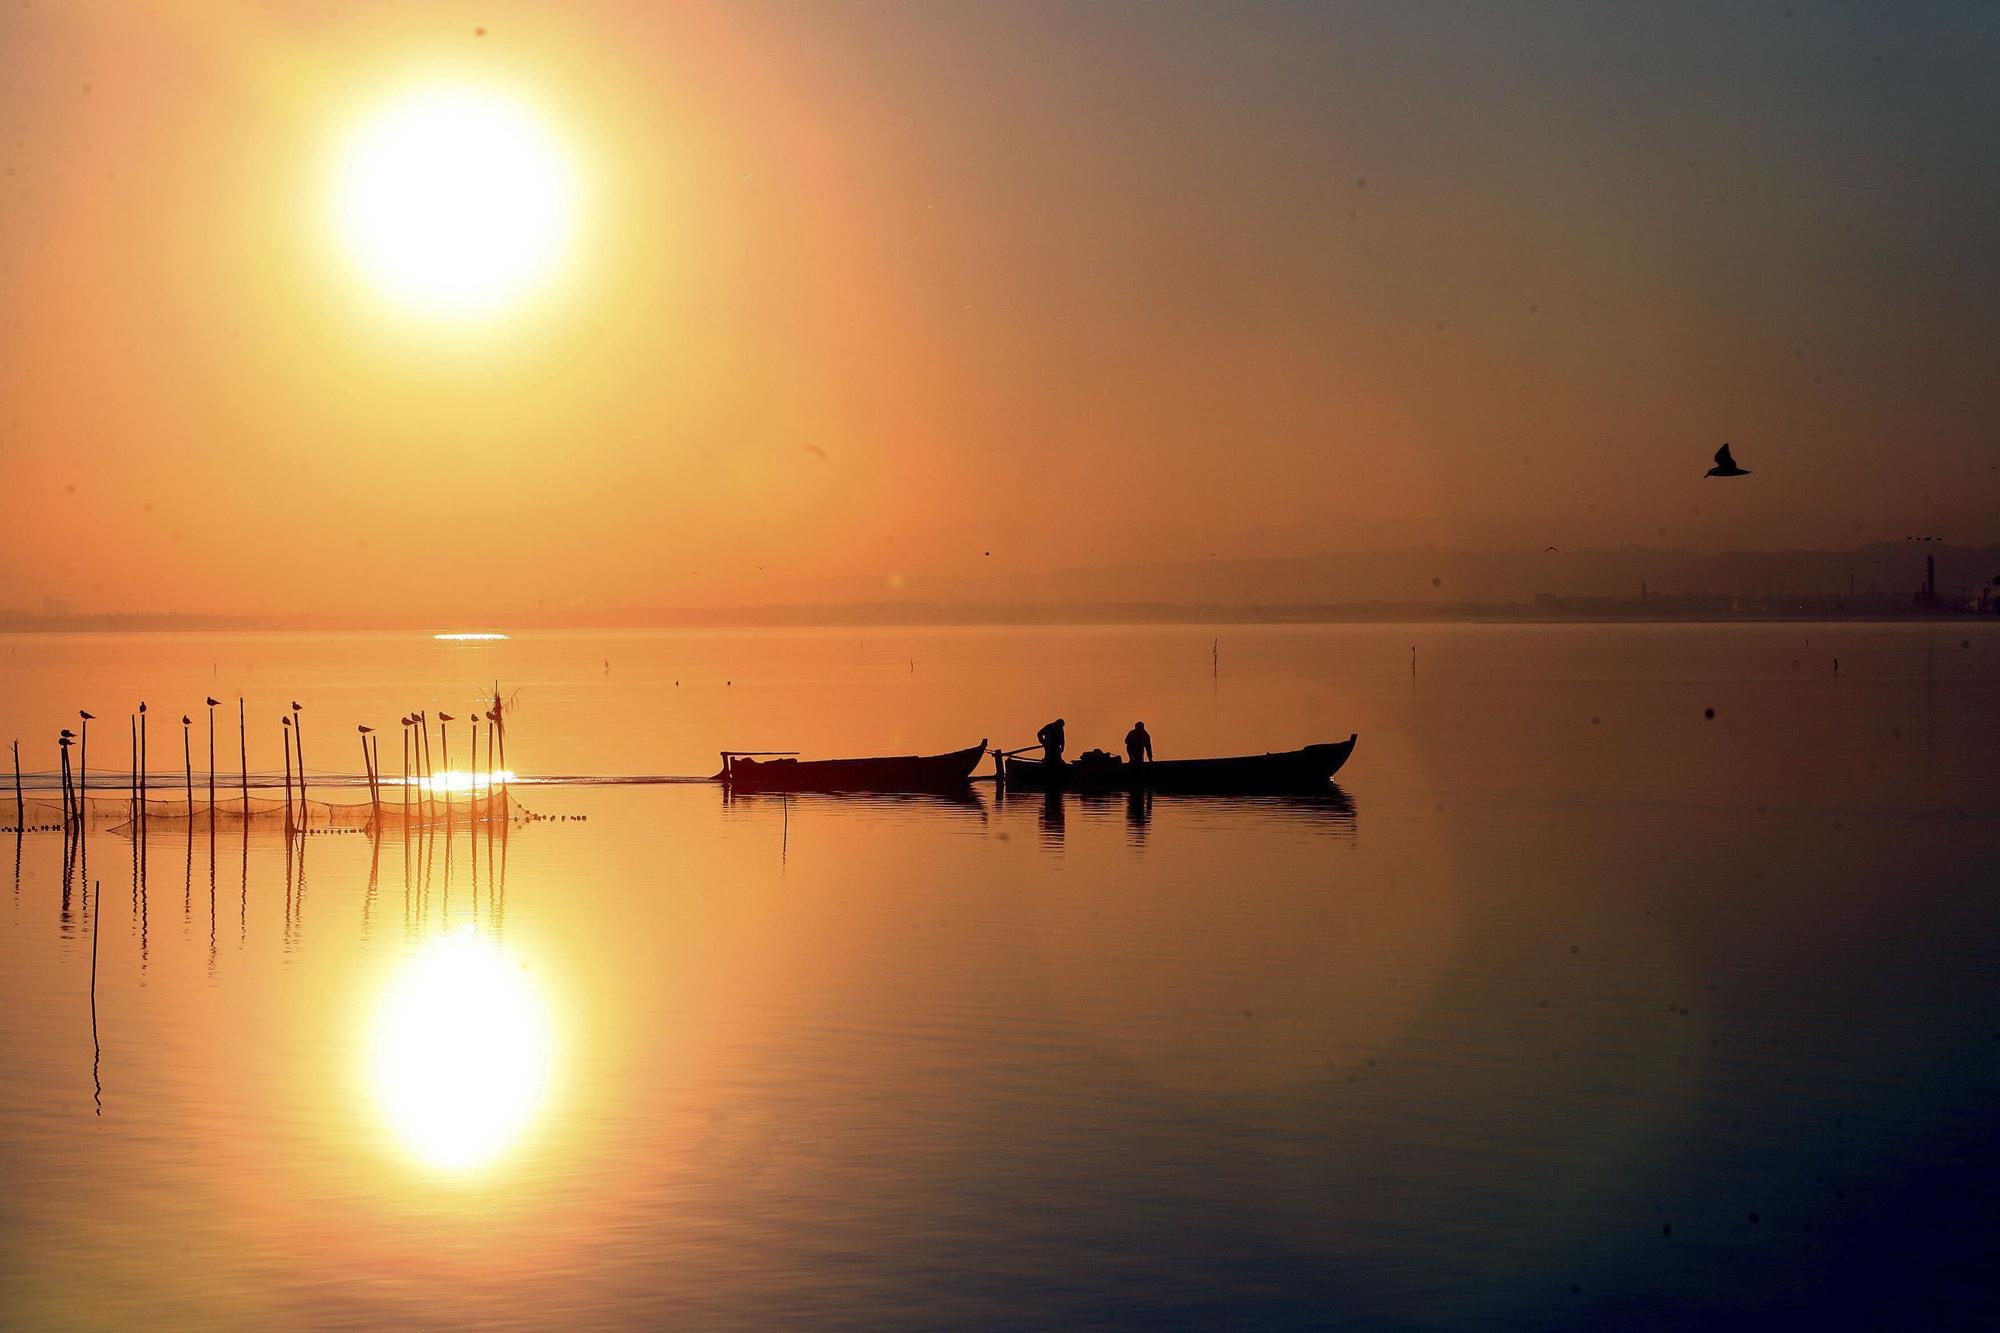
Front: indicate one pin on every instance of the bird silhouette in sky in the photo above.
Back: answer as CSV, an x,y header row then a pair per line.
x,y
1725,466
1550,550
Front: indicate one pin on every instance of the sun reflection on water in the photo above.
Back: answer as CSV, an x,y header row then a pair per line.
x,y
458,781
460,1051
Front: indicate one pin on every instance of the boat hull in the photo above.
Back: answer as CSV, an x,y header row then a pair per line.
x,y
934,772
1286,771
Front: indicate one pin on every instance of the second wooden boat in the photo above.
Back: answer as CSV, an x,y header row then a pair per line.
x,y
1284,771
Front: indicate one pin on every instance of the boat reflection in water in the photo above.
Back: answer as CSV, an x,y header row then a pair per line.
x,y
1331,809
460,1050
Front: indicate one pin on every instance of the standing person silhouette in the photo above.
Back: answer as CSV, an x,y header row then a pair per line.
x,y
1051,738
1139,745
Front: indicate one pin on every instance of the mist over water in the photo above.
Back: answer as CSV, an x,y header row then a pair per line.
x,y
1572,1005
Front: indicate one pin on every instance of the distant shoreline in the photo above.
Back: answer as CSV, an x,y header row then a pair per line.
x,y
1661,610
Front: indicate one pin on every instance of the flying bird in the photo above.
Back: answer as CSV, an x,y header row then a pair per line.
x,y
816,452
1548,550
1725,466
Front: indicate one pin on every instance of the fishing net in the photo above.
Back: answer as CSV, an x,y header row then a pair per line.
x,y
124,814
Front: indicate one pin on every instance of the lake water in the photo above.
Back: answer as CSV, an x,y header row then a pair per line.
x,y
1572,1006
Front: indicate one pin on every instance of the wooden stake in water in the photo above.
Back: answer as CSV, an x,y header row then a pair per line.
x,y
20,809
430,774
187,767
444,745
133,719
500,732
83,759
142,758
374,805
299,739
212,702
286,722
243,757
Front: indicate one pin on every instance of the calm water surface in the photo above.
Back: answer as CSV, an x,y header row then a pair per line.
x,y
1571,1006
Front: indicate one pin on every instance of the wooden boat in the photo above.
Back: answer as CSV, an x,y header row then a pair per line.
x,y
1286,771
933,772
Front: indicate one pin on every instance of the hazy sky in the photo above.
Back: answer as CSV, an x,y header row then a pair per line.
x,y
872,289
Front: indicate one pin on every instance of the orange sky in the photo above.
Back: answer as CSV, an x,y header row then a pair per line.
x,y
1073,284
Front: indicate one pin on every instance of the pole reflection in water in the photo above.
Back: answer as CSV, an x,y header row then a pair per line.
x,y
211,859
139,880
243,892
96,1047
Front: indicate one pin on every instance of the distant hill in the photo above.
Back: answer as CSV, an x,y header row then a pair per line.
x,y
1891,571
1416,583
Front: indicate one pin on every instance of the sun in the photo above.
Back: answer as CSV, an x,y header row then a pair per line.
x,y
460,1051
454,201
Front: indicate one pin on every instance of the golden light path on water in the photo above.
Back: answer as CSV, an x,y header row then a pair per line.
x,y
457,781
460,1051
469,637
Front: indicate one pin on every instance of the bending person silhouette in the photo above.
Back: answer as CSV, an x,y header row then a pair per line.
x,y
1051,739
1139,744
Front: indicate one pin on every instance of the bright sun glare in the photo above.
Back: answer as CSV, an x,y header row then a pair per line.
x,y
455,201
460,1051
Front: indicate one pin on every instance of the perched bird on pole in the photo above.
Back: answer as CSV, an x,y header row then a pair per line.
x,y
444,744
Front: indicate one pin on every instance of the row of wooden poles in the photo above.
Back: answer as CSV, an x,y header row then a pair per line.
x,y
416,749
